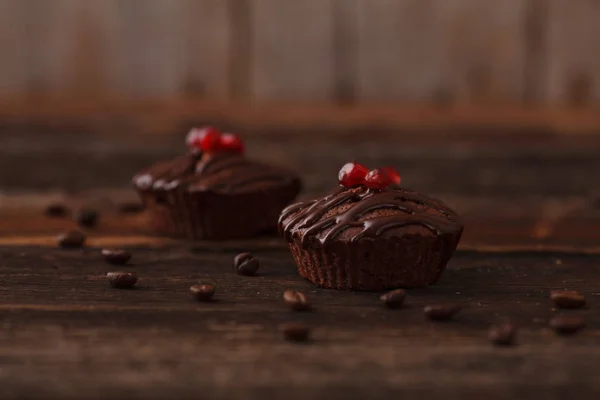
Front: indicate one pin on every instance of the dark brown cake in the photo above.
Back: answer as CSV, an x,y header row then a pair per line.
x,y
216,195
371,239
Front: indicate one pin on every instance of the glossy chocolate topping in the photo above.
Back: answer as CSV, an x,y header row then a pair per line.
x,y
222,172
368,213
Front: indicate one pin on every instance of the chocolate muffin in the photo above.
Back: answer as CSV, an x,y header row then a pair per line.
x,y
370,234
214,191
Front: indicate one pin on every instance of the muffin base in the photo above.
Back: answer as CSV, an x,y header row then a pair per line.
x,y
371,265
214,216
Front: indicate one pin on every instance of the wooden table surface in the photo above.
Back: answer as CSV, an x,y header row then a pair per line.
x,y
530,206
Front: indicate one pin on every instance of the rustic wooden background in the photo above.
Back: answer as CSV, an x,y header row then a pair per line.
x,y
345,51
488,105
530,204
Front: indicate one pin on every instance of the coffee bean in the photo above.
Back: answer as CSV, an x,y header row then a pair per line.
x,y
296,332
116,256
393,299
202,292
503,334
71,239
130,208
567,298
87,218
296,300
56,210
567,324
246,264
121,280
441,312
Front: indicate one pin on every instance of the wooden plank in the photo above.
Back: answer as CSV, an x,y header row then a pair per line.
x,y
536,50
414,49
241,50
547,166
149,48
13,54
469,51
208,33
396,59
128,47
114,115
62,46
345,30
29,226
556,207
573,69
70,47
565,224
292,50
66,334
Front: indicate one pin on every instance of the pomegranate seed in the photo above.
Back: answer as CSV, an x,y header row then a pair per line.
x,y
352,174
204,139
380,178
193,138
392,174
231,142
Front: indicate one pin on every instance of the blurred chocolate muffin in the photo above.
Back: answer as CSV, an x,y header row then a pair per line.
x,y
214,191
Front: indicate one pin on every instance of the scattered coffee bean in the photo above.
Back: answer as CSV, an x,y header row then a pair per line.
x,y
121,280
71,240
567,324
394,299
246,264
202,292
296,300
116,256
567,298
56,210
130,208
503,334
296,332
87,218
441,312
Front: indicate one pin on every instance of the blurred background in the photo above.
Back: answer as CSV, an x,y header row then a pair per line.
x,y
335,51
475,101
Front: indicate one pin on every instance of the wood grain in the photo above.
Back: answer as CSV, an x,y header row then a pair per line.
x,y
417,50
292,50
13,32
573,60
532,225
240,67
150,47
547,206
562,226
65,333
536,50
66,46
437,51
345,50
209,51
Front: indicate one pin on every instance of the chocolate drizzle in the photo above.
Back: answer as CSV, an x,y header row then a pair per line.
x,y
309,219
222,172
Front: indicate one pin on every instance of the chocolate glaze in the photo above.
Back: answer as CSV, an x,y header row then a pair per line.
x,y
307,219
222,172
157,176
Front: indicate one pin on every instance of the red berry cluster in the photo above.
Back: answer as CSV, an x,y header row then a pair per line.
x,y
211,140
354,174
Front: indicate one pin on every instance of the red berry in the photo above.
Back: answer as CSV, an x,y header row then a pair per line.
x,y
231,142
352,174
204,139
380,178
392,174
